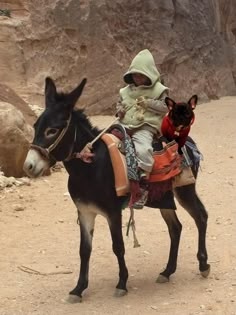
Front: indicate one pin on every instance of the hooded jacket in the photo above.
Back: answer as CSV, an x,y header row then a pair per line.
x,y
156,109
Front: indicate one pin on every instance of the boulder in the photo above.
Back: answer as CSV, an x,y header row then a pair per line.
x,y
8,95
15,137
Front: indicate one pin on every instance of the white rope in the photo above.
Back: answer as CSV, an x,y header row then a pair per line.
x,y
89,145
132,224
104,130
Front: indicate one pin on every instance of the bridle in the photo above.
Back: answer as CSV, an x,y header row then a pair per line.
x,y
47,152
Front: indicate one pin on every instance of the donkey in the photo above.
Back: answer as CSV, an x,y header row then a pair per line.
x,y
61,132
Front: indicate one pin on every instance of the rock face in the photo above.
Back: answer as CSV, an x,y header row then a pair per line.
x,y
15,136
9,96
193,43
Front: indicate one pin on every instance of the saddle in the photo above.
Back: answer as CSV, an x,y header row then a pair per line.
x,y
166,161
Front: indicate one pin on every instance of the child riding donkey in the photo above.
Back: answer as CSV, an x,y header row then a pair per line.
x,y
141,108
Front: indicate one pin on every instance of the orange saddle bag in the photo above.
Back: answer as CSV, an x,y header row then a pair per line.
x,y
166,163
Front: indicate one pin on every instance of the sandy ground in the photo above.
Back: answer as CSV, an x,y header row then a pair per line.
x,y
38,230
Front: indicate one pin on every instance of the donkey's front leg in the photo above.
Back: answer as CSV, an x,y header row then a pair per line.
x,y
86,220
115,224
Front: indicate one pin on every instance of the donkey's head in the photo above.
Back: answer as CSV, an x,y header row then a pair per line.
x,y
181,114
52,129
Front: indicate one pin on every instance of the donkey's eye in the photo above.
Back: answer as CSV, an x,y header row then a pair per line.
x,y
51,132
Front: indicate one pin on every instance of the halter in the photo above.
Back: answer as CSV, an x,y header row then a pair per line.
x,y
46,152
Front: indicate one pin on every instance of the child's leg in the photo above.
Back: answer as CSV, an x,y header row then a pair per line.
x,y
142,140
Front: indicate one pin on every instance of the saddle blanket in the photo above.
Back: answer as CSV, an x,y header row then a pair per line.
x,y
166,164
118,163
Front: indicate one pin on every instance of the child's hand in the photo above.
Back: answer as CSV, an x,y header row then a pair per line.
x,y
120,110
142,102
120,113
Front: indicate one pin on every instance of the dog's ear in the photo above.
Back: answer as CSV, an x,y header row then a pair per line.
x,y
193,101
170,103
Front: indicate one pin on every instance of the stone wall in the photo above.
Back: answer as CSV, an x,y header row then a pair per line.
x,y
193,43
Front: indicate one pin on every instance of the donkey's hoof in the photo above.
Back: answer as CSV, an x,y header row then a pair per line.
x,y
206,272
162,279
72,299
120,292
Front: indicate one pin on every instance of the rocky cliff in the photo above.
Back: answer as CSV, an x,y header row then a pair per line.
x,y
193,43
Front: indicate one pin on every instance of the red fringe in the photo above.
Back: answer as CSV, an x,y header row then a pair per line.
x,y
158,189
135,192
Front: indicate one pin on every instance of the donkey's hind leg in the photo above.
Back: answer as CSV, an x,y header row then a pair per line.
x,y
115,224
190,201
86,220
174,228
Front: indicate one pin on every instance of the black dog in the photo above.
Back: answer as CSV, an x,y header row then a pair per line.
x,y
177,123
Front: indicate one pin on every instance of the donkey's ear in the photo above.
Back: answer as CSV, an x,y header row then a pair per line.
x,y
170,103
193,101
73,96
50,90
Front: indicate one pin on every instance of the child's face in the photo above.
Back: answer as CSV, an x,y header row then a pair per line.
x,y
140,79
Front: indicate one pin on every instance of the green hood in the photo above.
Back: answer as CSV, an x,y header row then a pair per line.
x,y
143,63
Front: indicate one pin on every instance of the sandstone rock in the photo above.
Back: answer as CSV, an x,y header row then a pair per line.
x,y
15,136
9,96
12,60
17,8
12,181
3,182
193,43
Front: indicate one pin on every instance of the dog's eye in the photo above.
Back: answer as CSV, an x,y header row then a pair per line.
x,y
51,132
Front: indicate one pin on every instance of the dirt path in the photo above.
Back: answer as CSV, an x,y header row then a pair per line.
x,y
38,230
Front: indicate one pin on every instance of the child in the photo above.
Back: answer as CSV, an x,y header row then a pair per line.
x,y
141,109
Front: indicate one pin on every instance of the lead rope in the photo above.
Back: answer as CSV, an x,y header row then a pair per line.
x,y
131,224
89,145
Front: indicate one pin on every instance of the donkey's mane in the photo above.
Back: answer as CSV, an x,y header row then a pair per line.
x,y
80,116
85,122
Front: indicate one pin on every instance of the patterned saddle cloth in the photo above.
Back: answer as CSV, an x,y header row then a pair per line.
x,y
125,165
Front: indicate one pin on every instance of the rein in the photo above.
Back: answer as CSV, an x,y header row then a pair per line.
x,y
85,154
